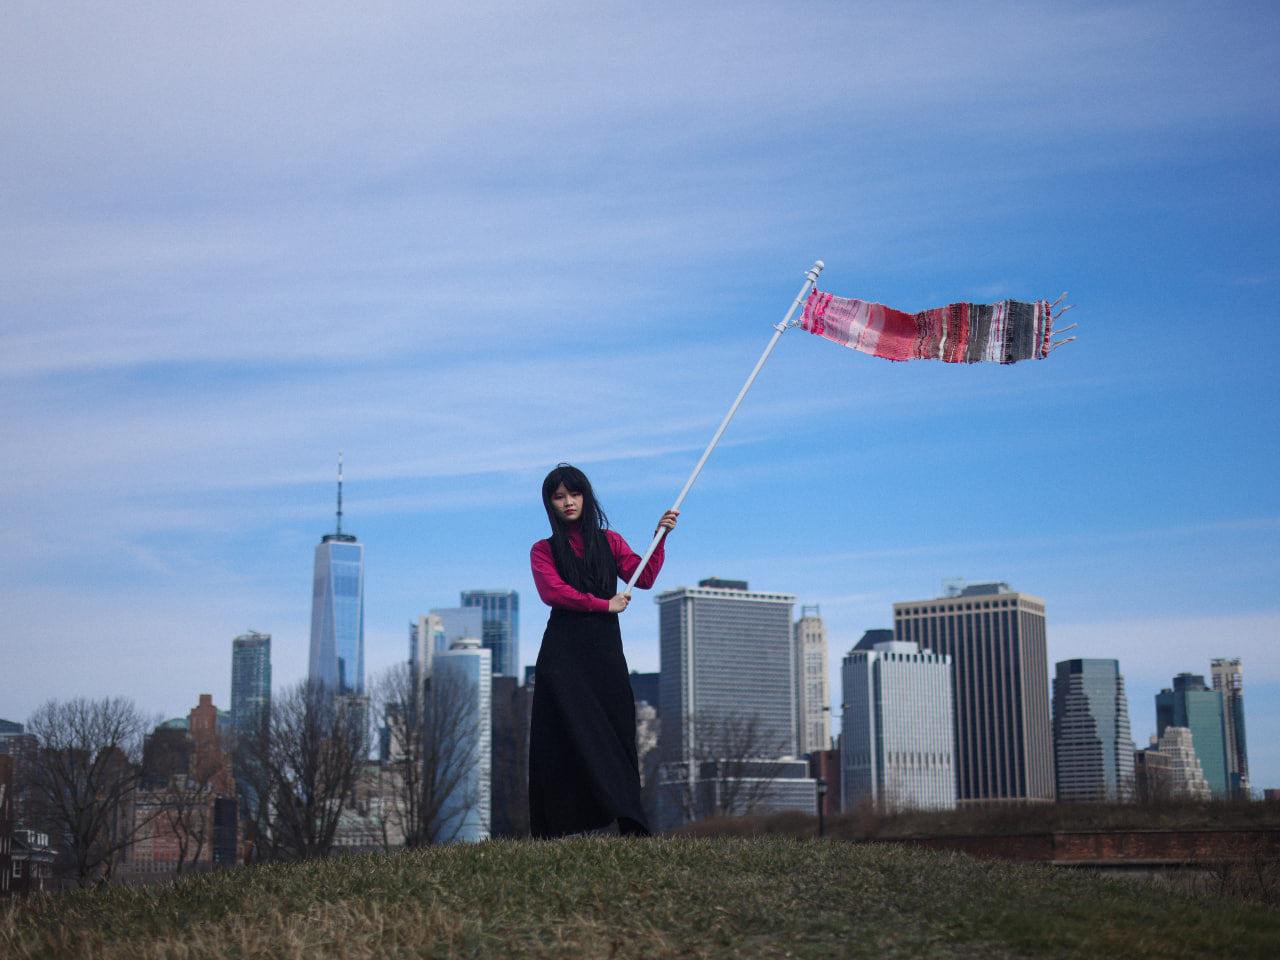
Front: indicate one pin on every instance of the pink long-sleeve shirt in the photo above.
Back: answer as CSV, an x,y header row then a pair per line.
x,y
556,593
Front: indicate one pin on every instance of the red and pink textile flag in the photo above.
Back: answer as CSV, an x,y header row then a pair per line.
x,y
1003,332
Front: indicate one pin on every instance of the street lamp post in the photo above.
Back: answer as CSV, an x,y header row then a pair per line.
x,y
822,802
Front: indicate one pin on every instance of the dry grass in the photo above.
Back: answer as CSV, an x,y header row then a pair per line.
x,y
664,898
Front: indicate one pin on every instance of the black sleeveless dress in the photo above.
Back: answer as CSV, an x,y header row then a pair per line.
x,y
583,772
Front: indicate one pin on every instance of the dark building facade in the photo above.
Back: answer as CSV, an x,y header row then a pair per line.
x,y
1000,671
500,633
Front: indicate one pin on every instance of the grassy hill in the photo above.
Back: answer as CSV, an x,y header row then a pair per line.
x,y
672,897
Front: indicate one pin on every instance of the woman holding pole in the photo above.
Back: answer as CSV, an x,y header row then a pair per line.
x,y
583,769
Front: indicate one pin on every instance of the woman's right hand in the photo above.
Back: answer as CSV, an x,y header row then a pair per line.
x,y
618,602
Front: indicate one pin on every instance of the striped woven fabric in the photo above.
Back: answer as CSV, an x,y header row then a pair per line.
x,y
1003,332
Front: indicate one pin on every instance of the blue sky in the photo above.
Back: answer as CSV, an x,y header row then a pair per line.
x,y
463,242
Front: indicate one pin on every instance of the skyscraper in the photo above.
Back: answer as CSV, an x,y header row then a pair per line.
x,y
897,735
500,613
250,680
466,774
726,651
813,697
337,610
1193,705
1169,769
1228,679
1000,681
1092,745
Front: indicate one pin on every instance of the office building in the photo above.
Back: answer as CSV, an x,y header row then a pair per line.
x,y
426,639
897,737
1193,705
1169,769
466,670
454,624
813,695
337,611
24,750
726,650
26,856
250,680
1228,679
995,638
500,633
872,637
1092,745
509,777
727,685
645,688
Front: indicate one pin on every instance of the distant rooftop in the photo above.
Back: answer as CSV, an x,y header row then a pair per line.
x,y
717,584
984,589
872,637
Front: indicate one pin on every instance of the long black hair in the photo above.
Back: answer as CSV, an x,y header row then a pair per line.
x,y
594,572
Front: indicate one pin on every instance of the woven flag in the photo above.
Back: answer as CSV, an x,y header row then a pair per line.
x,y
1004,332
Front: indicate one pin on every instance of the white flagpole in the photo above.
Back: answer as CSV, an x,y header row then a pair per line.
x,y
810,279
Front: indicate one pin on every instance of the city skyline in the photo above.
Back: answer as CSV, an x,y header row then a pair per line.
x,y
236,247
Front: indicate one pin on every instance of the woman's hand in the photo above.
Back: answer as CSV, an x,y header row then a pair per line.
x,y
618,602
669,520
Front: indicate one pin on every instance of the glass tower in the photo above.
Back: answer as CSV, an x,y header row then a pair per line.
x,y
500,634
250,679
337,611
465,774
1193,705
1092,745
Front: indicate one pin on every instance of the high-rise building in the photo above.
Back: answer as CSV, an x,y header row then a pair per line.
x,y
466,670
727,689
726,651
1169,769
250,680
897,738
425,641
995,638
1092,745
24,750
337,611
1228,679
509,778
500,615
1193,705
813,697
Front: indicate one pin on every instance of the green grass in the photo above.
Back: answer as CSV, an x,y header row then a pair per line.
x,y
673,897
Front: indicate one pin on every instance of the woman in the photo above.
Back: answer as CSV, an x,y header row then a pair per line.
x,y
583,772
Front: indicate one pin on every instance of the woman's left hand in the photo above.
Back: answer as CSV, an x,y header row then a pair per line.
x,y
669,520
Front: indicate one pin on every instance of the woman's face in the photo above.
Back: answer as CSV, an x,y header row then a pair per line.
x,y
567,504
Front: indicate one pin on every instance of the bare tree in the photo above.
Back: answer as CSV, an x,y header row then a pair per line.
x,y
431,744
84,778
183,780
304,762
190,801
400,705
732,769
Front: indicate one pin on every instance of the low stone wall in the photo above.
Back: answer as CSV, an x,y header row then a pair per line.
x,y
1134,846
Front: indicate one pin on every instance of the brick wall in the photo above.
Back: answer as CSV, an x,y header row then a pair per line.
x,y
1110,846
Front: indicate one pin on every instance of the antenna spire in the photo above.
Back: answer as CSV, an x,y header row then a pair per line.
x,y
339,493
